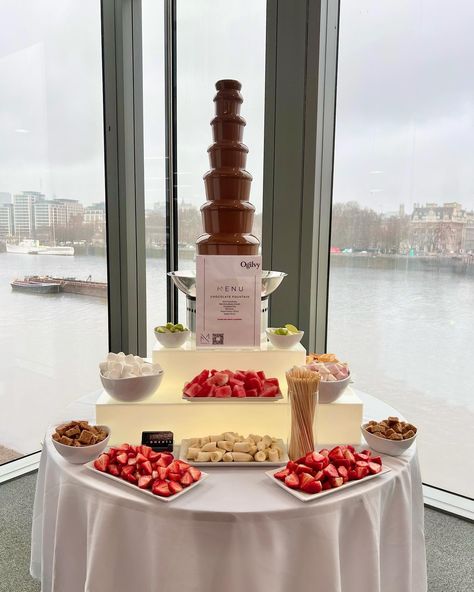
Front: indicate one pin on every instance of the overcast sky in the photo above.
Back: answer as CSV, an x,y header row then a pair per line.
x,y
405,107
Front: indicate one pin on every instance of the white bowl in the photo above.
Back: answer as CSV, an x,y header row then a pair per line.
x,y
80,455
172,340
331,390
284,341
134,389
384,446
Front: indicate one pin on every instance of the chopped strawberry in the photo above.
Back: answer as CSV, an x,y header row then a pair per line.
x,y
292,481
331,471
360,472
376,459
366,452
161,488
342,462
324,452
303,469
360,456
113,470
327,485
314,457
183,466
291,466
132,460
175,487
349,456
343,472
174,477
362,463
122,458
154,456
186,480
162,473
305,479
314,487
141,458
374,468
164,460
127,470
336,452
102,462
195,473
124,447
337,482
251,393
154,474
145,468
132,479
174,467
223,392
282,475
144,481
146,450
351,448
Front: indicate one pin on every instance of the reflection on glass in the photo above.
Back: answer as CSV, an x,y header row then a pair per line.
x,y
52,215
401,299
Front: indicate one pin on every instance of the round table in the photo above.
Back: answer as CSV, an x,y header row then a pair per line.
x,y
236,531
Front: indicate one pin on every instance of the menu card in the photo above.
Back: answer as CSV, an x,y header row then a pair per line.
x,y
228,300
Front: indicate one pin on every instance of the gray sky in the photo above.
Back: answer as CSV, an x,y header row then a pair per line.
x,y
405,97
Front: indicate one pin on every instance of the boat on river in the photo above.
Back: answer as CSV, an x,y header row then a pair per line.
x,y
35,287
32,247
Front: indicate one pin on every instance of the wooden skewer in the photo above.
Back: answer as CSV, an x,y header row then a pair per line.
x,y
303,386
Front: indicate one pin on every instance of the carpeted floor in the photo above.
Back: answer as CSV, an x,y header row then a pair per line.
x,y
449,542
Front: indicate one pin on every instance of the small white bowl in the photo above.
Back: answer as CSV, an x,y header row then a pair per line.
x,y
284,341
331,390
80,455
384,446
134,389
172,340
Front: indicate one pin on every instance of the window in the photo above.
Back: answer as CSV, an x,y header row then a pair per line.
x,y
401,307
52,215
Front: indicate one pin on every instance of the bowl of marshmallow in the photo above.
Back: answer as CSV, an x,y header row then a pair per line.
x,y
129,378
335,375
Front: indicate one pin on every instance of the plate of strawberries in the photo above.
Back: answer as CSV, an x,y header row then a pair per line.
x,y
238,385
156,474
320,473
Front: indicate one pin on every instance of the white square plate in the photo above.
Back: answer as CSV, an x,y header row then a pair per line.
x,y
259,465
307,497
147,491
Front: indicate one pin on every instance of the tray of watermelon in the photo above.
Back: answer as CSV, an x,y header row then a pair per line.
x,y
321,473
241,385
155,474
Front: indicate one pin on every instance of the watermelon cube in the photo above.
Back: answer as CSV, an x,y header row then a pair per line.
x,y
223,392
238,391
254,383
251,393
270,391
192,390
261,374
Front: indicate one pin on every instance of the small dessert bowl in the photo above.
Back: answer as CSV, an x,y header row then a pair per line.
x,y
80,455
283,341
132,389
331,390
172,340
384,445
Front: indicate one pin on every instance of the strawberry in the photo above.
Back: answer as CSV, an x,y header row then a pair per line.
x,y
327,485
352,474
102,463
305,479
349,456
146,451
376,459
126,471
195,473
164,460
132,479
251,393
162,473
336,452
282,475
145,468
303,469
132,460
362,463
291,466
144,481
351,448
112,452
134,450
344,473
342,462
183,466
360,456
174,477
313,487
331,471
374,468
313,458
223,392
319,476
174,487
361,472
122,458
337,482
113,469
174,467
154,474
141,458
154,456
161,488
186,479
324,452
124,447
301,460
366,452
292,481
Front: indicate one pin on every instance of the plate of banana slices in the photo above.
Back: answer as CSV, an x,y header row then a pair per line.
x,y
234,450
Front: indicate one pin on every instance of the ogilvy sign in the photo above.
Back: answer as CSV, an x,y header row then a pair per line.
x,y
228,300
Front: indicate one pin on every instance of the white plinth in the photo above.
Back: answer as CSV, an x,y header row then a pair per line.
x,y
182,364
337,423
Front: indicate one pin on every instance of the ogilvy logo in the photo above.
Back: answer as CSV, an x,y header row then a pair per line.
x,y
249,264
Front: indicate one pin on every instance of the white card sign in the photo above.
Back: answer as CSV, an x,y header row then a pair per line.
x,y
228,300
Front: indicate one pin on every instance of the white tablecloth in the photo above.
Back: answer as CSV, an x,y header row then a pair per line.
x,y
236,532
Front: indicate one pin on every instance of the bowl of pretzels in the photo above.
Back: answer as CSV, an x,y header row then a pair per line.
x,y
390,436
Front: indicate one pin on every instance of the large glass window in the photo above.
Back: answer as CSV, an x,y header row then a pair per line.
x,y
401,299
52,215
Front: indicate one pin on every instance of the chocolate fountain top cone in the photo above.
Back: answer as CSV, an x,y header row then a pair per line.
x,y
227,215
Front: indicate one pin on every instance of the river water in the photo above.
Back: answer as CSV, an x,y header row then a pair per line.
x,y
406,330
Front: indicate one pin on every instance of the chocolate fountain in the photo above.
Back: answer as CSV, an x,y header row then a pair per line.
x,y
227,215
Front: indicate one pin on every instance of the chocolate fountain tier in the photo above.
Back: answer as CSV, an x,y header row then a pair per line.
x,y
227,244
227,215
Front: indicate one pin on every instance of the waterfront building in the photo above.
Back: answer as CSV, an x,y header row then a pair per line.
x,y
6,220
49,213
468,238
438,229
95,214
72,207
23,212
